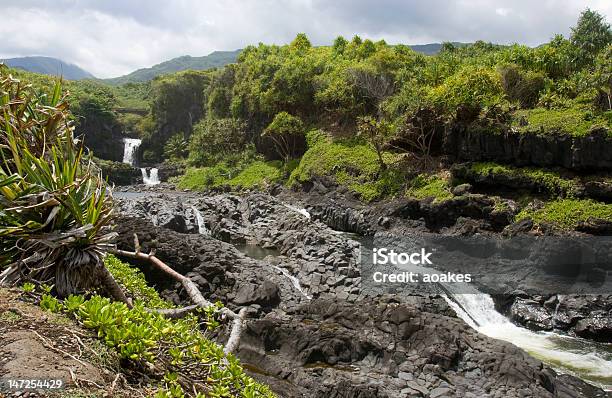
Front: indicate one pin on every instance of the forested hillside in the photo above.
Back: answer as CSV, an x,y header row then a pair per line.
x,y
389,118
213,60
381,120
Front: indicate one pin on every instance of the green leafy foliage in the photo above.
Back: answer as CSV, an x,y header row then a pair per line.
x,y
472,86
133,281
352,164
141,335
176,106
590,35
258,174
53,200
574,121
218,140
176,148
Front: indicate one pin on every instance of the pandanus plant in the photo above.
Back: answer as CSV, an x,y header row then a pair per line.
x,y
55,208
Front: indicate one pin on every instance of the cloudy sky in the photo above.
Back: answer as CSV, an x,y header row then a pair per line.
x,y
113,37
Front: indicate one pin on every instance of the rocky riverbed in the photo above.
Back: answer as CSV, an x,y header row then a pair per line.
x,y
312,330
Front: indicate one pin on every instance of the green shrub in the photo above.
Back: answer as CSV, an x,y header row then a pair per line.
x,y
134,282
206,177
285,131
472,86
140,335
55,212
217,140
352,164
523,87
176,148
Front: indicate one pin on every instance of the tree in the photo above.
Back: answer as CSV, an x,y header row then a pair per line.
x,y
285,131
590,35
216,140
176,147
55,212
339,45
377,132
602,78
300,44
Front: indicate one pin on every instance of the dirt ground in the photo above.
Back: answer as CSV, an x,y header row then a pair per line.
x,y
35,344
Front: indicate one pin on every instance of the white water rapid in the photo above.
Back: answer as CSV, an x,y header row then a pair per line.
x,y
129,148
583,358
152,179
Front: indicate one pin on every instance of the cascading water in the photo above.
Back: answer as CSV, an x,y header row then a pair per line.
x,y
298,210
589,360
152,179
294,281
130,145
201,225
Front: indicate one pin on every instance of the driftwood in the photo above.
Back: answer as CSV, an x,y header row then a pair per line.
x,y
193,292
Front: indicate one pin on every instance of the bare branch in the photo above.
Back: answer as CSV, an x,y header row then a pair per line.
x,y
194,294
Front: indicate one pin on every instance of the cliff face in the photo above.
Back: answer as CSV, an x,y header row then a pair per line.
x,y
590,153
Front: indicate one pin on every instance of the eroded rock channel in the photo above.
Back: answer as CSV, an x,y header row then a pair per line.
x,y
312,331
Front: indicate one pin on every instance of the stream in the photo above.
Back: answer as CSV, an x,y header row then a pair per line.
x,y
586,359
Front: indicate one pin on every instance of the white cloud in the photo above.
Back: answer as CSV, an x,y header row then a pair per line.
x,y
114,37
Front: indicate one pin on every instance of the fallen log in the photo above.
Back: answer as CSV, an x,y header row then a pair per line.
x,y
192,291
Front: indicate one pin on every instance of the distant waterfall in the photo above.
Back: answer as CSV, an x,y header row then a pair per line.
x,y
152,179
129,148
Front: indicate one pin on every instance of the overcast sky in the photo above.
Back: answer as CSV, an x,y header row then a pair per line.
x,y
113,37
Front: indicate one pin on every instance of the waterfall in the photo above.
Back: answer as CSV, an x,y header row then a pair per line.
x,y
294,281
298,210
153,179
201,225
583,358
129,148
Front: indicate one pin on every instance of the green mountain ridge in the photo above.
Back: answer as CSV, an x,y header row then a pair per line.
x,y
48,66
215,59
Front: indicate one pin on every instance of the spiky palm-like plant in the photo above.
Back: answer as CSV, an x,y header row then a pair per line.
x,y
55,210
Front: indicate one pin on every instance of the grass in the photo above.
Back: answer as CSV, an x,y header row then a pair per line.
x,y
352,164
434,186
567,213
547,180
9,316
572,121
201,178
258,174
